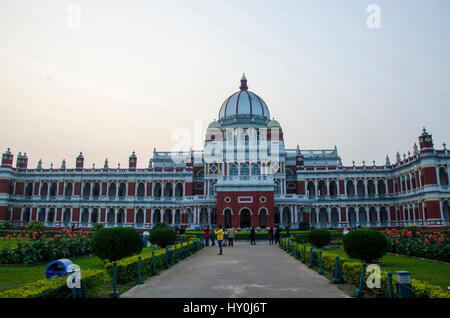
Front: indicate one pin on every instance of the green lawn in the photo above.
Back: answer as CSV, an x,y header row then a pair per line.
x,y
15,276
434,273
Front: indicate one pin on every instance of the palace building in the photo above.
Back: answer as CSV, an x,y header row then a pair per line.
x,y
243,177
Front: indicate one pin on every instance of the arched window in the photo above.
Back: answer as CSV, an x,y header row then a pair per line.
x,y
189,216
323,216
383,216
373,216
313,216
51,216
157,216
53,189
157,190
360,188
44,189
11,188
140,190
177,216
227,215
96,190
29,189
168,216
350,188
41,217
233,170
140,217
443,176
112,189
68,192
321,188
362,216
179,190
381,188
333,188
121,216
67,217
370,188
311,189
26,215
244,170
122,190
256,171
352,216
87,190
263,218
85,216
204,216
111,217
286,215
168,189
277,215
334,217
94,215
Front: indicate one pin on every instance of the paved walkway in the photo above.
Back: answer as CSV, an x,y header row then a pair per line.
x,y
256,271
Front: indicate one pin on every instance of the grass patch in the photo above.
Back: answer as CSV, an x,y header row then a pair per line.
x,y
434,273
14,276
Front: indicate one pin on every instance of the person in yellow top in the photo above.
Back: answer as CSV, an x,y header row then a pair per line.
x,y
219,235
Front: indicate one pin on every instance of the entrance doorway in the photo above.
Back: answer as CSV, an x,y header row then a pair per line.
x,y
245,218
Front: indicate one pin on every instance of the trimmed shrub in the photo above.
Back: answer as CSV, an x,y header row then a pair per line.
x,y
160,226
98,226
365,244
5,225
34,226
162,237
116,243
319,237
303,226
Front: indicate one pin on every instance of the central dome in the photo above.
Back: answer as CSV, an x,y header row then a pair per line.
x,y
244,104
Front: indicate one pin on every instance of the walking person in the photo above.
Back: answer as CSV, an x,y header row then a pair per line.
x,y
219,234
230,236
206,235
252,236
270,236
212,236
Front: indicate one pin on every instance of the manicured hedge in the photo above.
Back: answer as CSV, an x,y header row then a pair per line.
x,y
127,268
56,287
352,272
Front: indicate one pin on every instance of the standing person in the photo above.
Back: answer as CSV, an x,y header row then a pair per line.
x,y
230,236
206,235
277,235
212,236
270,236
219,234
252,236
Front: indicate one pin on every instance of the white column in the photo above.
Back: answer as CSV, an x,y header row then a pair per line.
x,y
329,215
295,214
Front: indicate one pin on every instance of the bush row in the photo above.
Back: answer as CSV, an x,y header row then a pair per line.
x,y
57,288
127,268
352,272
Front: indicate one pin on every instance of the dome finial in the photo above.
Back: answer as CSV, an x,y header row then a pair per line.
x,y
243,86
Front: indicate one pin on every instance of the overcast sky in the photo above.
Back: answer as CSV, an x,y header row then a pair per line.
x,y
127,74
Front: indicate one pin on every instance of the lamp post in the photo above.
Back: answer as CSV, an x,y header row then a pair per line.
x,y
403,282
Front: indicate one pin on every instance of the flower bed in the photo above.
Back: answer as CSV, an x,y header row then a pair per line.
x,y
433,245
36,247
352,272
